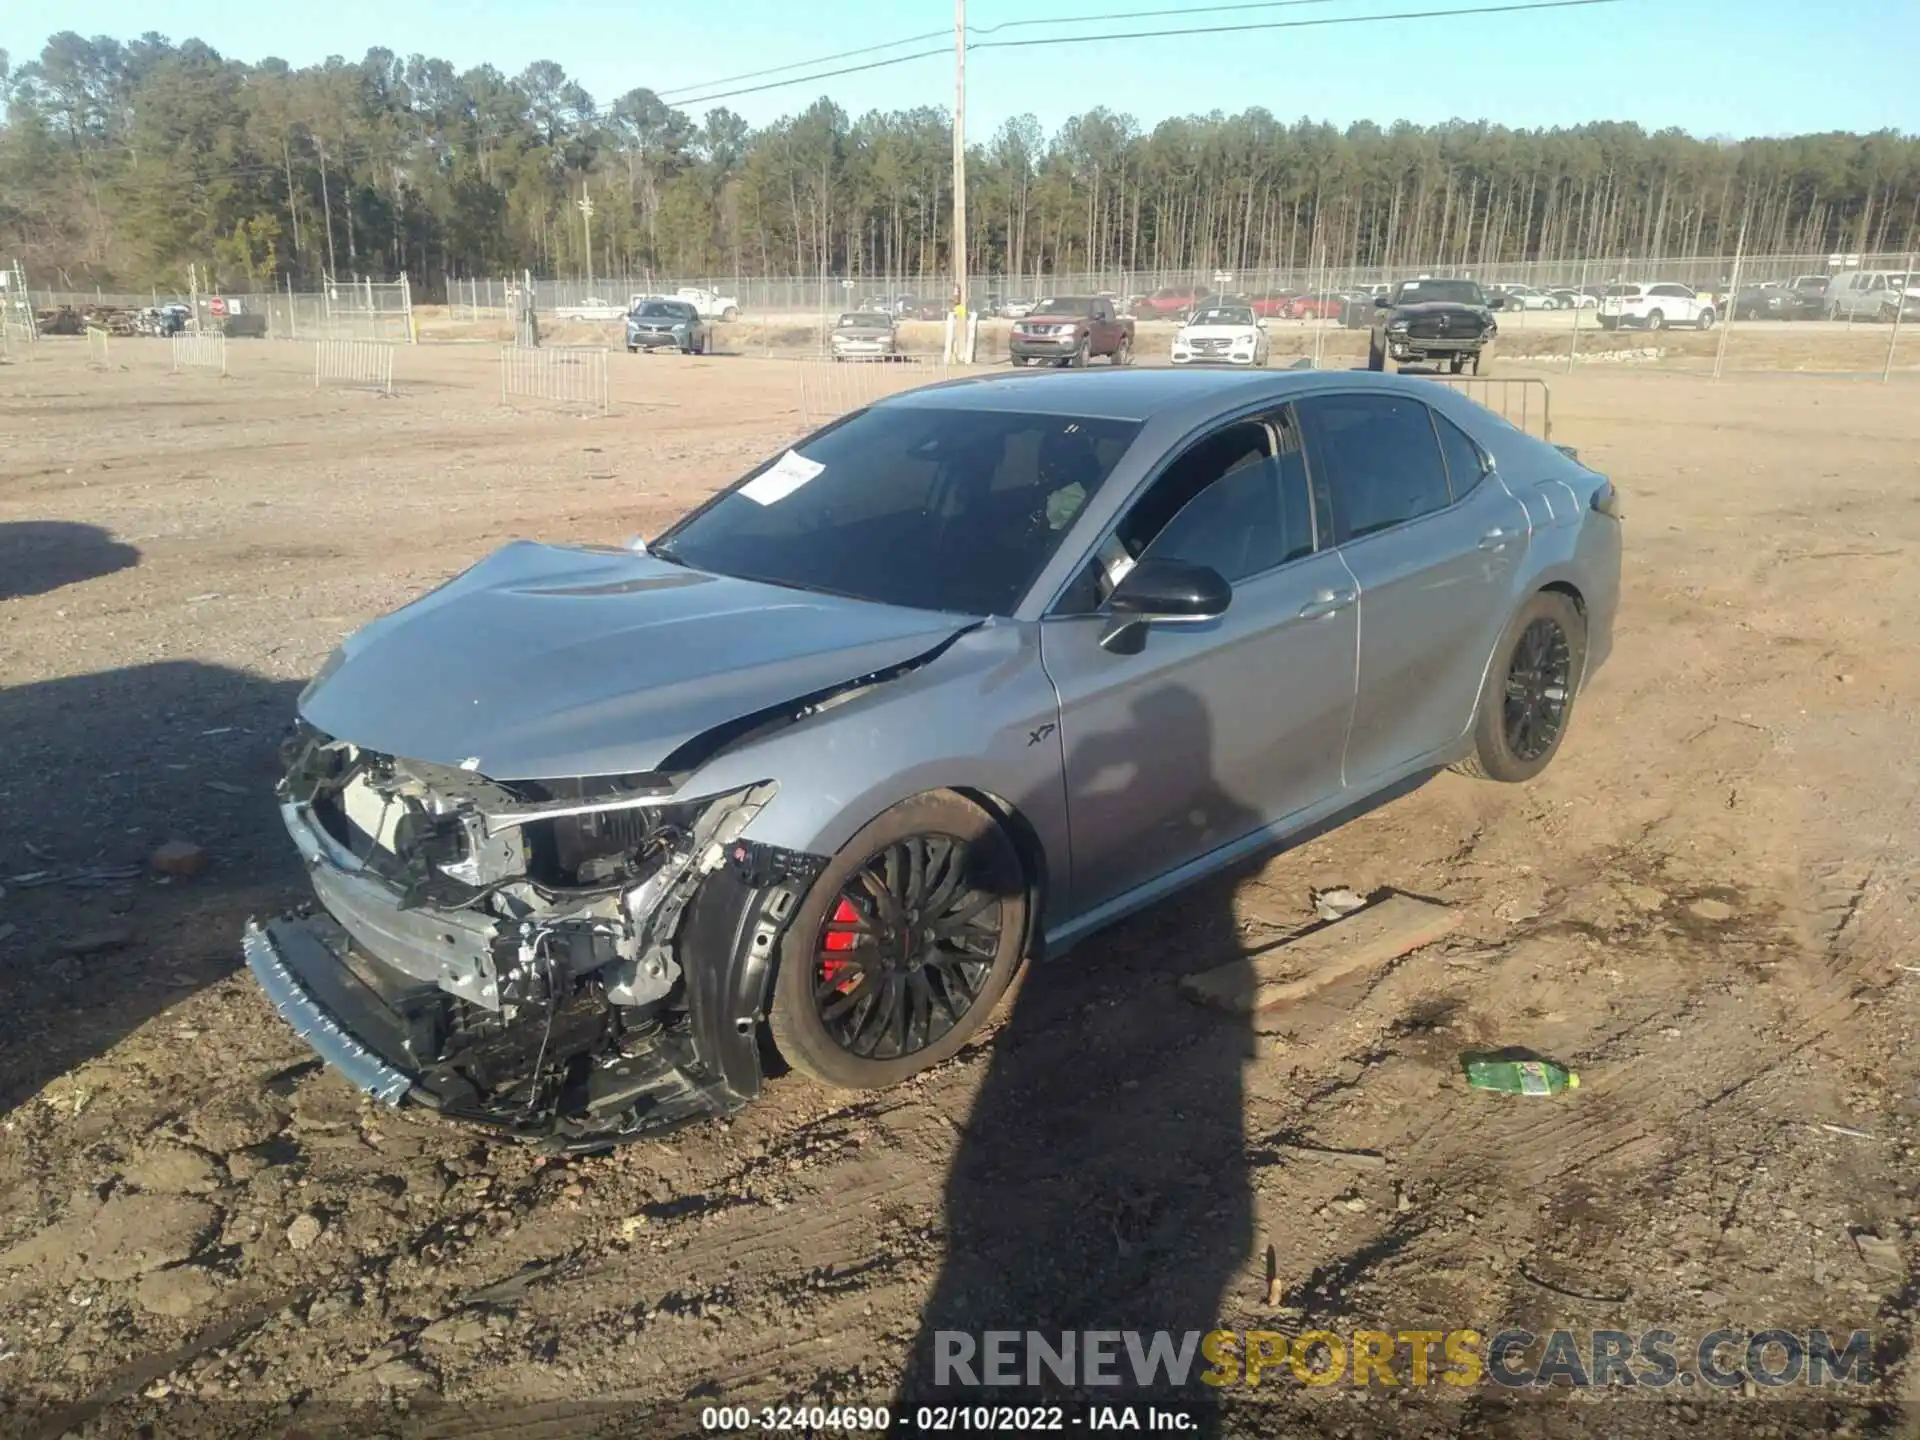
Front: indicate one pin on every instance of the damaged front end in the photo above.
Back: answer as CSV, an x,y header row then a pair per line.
x,y
581,960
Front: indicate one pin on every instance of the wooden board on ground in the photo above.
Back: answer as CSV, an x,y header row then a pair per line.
x,y
1364,940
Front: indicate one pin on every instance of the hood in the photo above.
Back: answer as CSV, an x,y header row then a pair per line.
x,y
1442,307
545,662
863,332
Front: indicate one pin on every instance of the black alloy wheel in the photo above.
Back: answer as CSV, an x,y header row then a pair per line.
x,y
1526,702
903,946
906,950
1539,689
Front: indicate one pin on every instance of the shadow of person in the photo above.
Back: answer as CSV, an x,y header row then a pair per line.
x,y
1101,1181
37,556
97,770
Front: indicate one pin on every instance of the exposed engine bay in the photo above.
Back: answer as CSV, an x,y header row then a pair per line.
x,y
521,953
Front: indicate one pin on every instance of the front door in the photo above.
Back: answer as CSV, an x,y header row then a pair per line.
x,y
1211,731
1434,571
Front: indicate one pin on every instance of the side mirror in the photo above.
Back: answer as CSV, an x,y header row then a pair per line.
x,y
1381,302
1164,591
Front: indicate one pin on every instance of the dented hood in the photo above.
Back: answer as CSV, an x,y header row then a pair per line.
x,y
544,662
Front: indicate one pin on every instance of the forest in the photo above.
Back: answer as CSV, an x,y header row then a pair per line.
x,y
121,162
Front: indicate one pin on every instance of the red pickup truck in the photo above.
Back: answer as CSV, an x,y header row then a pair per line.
x,y
1070,330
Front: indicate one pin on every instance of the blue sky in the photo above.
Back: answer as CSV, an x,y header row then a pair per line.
x,y
1764,67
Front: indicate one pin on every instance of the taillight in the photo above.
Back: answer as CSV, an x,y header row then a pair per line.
x,y
1607,500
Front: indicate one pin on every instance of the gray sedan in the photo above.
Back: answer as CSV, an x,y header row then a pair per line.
x,y
950,684
667,325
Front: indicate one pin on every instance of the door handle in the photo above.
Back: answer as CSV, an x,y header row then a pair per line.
x,y
1494,539
1327,602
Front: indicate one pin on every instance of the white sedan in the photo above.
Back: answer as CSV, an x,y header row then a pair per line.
x,y
1525,297
1221,335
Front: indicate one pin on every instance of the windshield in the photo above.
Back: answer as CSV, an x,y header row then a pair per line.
x,y
1225,315
1453,292
1065,305
661,310
938,509
865,320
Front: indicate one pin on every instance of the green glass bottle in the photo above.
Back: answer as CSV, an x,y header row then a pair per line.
x,y
1517,1077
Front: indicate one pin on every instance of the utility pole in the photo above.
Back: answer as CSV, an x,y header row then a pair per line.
x,y
585,206
960,173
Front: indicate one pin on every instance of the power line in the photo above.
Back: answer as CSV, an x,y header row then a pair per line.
x,y
1290,24
985,30
802,64
1511,9
823,75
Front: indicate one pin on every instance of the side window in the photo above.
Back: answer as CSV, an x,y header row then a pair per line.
x,y
1251,516
1380,458
1466,464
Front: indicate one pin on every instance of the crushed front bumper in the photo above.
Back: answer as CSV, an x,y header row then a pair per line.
x,y
278,953
1425,347
562,1070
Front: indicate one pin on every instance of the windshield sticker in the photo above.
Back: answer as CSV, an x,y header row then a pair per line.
x,y
781,479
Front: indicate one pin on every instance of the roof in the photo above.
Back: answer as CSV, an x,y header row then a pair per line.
x,y
1122,393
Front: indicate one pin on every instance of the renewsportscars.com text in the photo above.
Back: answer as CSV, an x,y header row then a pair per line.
x,y
1460,1358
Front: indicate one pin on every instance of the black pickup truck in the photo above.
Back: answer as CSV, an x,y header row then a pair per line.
x,y
1430,321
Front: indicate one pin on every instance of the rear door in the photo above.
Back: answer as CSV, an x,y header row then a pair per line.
x,y
1433,540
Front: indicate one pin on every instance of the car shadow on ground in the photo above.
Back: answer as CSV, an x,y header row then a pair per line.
x,y
1102,1180
37,556
96,772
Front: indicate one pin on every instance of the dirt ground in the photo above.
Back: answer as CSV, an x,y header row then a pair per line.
x,y
1706,906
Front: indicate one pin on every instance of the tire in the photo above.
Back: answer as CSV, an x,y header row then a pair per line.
x,y
633,349
1499,753
813,1045
730,314
1376,355
1656,320
1123,352
1606,322
1078,360
1456,364
1706,320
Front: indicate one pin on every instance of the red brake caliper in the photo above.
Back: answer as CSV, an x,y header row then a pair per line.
x,y
831,965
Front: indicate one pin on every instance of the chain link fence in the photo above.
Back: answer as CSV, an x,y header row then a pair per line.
x,y
929,296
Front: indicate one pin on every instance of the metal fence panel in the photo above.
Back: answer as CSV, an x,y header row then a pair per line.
x,y
97,355
199,352
1523,402
574,375
361,363
832,388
